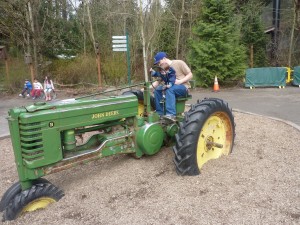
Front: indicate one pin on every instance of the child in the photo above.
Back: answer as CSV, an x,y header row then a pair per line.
x,y
37,89
48,87
167,75
27,88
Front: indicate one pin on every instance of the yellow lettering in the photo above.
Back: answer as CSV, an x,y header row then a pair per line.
x,y
100,115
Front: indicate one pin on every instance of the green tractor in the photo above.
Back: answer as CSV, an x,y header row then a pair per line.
x,y
52,137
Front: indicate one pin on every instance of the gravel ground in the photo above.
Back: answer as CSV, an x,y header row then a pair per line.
x,y
259,183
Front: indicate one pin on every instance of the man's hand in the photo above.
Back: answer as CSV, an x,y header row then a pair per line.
x,y
178,82
187,78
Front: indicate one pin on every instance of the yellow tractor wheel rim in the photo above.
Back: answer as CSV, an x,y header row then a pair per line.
x,y
39,203
215,138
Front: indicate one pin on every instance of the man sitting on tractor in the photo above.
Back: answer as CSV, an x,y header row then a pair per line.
x,y
179,89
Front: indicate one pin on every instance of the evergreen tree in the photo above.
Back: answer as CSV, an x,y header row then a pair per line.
x,y
215,48
253,33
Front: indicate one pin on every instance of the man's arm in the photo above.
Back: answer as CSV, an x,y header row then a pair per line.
x,y
187,78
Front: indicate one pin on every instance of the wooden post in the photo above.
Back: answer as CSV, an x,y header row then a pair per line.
x,y
3,55
98,64
6,66
31,72
28,61
251,56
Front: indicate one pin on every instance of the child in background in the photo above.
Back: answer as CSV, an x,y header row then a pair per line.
x,y
37,89
27,88
48,87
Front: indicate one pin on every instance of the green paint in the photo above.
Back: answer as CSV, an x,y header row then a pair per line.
x,y
44,134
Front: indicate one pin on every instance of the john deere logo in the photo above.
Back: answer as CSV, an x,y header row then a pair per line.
x,y
51,124
105,114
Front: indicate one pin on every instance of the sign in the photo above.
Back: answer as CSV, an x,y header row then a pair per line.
x,y
119,41
120,49
121,44
119,37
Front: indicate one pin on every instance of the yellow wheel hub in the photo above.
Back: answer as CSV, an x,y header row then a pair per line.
x,y
215,138
39,203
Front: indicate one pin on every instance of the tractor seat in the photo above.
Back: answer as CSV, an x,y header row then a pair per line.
x,y
187,97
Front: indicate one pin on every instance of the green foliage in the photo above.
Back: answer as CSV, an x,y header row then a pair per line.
x,y
166,40
82,69
253,33
58,36
17,72
215,48
114,69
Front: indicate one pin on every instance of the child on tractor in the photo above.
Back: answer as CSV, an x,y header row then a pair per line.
x,y
166,75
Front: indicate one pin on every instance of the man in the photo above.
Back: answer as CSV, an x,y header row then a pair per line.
x,y
179,89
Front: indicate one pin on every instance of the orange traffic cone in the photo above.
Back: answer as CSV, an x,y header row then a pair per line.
x,y
216,85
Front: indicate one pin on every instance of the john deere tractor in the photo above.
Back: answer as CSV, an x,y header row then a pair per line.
x,y
50,137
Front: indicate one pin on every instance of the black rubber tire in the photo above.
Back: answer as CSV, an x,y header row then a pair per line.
x,y
27,197
140,96
187,138
14,190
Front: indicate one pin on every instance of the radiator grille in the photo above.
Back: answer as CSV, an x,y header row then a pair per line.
x,y
31,141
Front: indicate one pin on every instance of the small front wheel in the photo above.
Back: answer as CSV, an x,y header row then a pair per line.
x,y
207,132
14,190
37,197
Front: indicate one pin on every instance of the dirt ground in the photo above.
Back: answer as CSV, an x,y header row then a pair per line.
x,y
259,183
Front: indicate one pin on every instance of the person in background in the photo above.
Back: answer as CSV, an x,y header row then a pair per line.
x,y
37,89
48,87
179,89
27,88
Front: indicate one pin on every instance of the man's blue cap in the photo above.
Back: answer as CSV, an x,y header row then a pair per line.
x,y
159,56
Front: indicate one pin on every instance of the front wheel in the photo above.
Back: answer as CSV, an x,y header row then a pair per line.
x,y
14,190
37,197
207,132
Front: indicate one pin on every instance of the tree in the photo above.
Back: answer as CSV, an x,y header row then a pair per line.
x,y
178,18
216,48
253,34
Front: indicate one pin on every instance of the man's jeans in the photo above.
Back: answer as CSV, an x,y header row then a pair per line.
x,y
171,94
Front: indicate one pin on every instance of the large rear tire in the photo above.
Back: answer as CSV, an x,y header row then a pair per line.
x,y
14,190
207,132
37,197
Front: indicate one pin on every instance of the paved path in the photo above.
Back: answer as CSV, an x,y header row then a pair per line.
x,y
283,104
273,102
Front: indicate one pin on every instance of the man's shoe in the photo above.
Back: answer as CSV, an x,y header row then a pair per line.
x,y
20,95
27,95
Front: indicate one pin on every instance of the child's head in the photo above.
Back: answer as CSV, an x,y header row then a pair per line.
x,y
165,66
